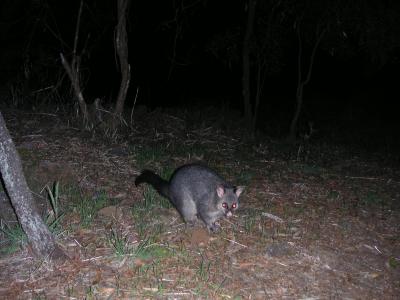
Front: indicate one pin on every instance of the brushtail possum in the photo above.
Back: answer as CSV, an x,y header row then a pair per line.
x,y
196,191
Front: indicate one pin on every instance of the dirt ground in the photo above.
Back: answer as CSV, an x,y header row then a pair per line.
x,y
312,224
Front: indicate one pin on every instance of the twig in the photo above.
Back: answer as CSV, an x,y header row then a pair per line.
x,y
365,178
42,89
273,217
177,294
78,243
134,104
378,249
388,180
92,258
232,241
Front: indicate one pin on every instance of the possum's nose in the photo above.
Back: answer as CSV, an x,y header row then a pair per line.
x,y
229,214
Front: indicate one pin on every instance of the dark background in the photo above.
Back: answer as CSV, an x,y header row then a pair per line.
x,y
352,96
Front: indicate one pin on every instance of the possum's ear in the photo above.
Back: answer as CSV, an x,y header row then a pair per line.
x,y
239,190
220,191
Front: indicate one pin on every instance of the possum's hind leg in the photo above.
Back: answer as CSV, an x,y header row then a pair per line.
x,y
188,211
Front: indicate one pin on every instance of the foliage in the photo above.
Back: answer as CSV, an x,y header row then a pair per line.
x,y
267,40
119,242
367,27
87,206
373,26
15,237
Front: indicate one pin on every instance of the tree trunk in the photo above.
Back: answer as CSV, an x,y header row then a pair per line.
x,y
300,82
73,70
259,87
261,64
41,240
248,111
121,43
295,119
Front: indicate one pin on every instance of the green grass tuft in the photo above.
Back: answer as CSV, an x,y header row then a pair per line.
x,y
119,243
15,238
203,270
148,249
87,206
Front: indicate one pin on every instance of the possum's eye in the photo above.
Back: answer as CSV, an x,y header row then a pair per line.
x,y
224,205
234,205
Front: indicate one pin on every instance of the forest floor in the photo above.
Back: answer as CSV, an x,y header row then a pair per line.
x,y
316,221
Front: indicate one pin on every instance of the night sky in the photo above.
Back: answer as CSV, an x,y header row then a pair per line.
x,y
188,54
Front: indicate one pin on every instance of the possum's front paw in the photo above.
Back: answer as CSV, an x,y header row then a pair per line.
x,y
191,223
215,227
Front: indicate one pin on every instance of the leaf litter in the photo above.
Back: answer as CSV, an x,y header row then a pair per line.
x,y
319,229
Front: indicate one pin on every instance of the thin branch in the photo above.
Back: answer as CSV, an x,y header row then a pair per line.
x,y
78,24
314,51
74,77
121,43
299,55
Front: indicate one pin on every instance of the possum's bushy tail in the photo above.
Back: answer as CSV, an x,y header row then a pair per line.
x,y
160,185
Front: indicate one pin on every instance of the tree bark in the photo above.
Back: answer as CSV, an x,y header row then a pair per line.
x,y
41,240
121,43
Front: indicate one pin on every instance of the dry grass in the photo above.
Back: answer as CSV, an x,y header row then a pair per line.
x,y
306,229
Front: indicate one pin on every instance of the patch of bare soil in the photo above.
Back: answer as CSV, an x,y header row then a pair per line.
x,y
302,232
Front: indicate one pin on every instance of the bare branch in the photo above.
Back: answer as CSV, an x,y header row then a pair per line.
x,y
73,75
121,43
320,35
78,24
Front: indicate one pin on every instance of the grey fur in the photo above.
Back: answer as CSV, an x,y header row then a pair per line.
x,y
196,191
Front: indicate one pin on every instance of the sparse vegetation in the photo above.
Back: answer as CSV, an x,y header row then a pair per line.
x,y
148,155
119,243
54,199
153,199
250,220
14,238
203,270
296,217
87,206
293,100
